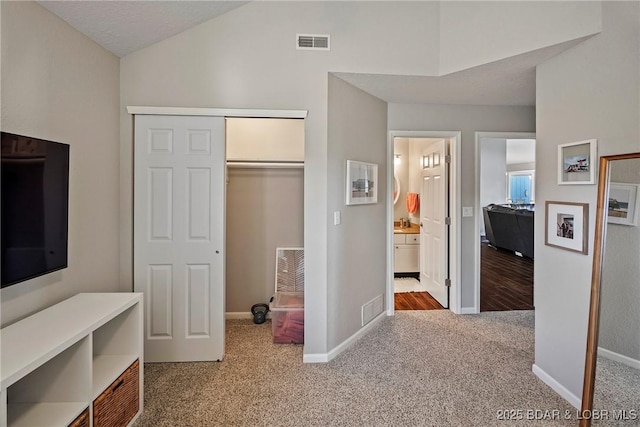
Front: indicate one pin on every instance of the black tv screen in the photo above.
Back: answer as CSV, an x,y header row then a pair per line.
x,y
35,207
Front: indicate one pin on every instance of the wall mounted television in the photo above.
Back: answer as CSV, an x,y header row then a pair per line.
x,y
35,207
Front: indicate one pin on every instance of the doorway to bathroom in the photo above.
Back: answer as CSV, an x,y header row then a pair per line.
x,y
421,222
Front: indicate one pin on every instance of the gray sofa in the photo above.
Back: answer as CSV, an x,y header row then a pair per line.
x,y
510,227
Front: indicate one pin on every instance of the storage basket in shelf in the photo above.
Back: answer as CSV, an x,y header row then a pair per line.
x,y
289,270
119,403
82,420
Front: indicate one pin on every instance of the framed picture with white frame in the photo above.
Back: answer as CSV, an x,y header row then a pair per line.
x,y
566,226
577,162
362,183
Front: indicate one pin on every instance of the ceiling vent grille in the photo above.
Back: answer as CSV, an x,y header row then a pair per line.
x,y
313,42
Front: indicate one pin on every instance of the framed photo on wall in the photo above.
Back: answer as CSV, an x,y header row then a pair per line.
x,y
362,183
577,162
622,207
566,226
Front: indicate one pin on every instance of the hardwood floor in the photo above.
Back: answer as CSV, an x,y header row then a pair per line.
x,y
506,281
415,301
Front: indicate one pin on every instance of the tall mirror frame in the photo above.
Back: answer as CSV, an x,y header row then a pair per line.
x,y
596,279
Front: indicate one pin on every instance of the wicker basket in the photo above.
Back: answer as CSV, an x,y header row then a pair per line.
x,y
82,420
119,403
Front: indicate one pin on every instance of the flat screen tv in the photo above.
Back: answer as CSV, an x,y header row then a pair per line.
x,y
35,207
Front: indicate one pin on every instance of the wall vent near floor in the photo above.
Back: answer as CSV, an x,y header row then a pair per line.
x,y
313,42
372,308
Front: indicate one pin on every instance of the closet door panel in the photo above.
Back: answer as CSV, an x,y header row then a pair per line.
x,y
179,203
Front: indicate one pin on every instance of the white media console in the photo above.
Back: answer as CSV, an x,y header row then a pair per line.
x,y
65,365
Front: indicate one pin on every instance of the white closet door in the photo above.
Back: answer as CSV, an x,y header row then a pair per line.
x,y
179,200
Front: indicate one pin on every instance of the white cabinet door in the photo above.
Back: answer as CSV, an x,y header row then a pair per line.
x,y
179,201
406,259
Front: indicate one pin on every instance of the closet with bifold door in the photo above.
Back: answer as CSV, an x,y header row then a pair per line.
x,y
264,205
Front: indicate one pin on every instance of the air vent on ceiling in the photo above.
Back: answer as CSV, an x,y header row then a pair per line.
x,y
312,42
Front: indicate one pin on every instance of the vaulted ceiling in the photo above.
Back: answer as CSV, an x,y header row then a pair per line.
x,y
123,27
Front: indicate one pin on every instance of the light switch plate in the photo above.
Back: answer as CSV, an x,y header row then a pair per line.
x,y
337,218
467,211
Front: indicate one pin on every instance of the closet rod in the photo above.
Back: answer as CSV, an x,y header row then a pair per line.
x,y
264,164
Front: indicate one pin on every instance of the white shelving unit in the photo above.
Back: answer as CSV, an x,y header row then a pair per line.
x,y
56,362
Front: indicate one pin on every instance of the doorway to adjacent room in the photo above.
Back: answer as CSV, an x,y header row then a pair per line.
x,y
505,177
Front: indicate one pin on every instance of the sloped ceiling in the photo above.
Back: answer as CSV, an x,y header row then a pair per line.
x,y
123,27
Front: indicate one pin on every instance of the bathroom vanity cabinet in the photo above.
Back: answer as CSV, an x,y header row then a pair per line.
x,y
406,253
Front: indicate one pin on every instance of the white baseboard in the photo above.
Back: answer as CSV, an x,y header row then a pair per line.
x,y
468,310
326,357
574,400
315,358
236,315
617,357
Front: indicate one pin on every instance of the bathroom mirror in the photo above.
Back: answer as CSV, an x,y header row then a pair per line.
x,y
396,189
612,363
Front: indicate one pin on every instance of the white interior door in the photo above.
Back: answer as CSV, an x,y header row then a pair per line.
x,y
179,200
434,236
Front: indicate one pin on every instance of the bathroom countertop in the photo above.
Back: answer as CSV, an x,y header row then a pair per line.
x,y
413,229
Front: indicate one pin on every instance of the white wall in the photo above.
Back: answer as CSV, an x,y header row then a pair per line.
x,y
493,170
478,32
59,85
468,119
517,167
590,91
358,247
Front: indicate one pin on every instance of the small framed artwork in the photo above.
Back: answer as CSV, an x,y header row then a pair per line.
x,y
566,226
623,203
362,183
577,162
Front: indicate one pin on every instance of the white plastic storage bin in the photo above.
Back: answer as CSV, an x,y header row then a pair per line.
x,y
287,317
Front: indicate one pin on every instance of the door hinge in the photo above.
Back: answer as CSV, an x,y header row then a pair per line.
x,y
447,283
447,159
447,221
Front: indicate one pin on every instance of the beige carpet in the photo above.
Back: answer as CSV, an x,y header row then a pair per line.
x,y
425,368
617,388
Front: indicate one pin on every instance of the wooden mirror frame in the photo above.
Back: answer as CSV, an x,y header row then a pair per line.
x,y
596,277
